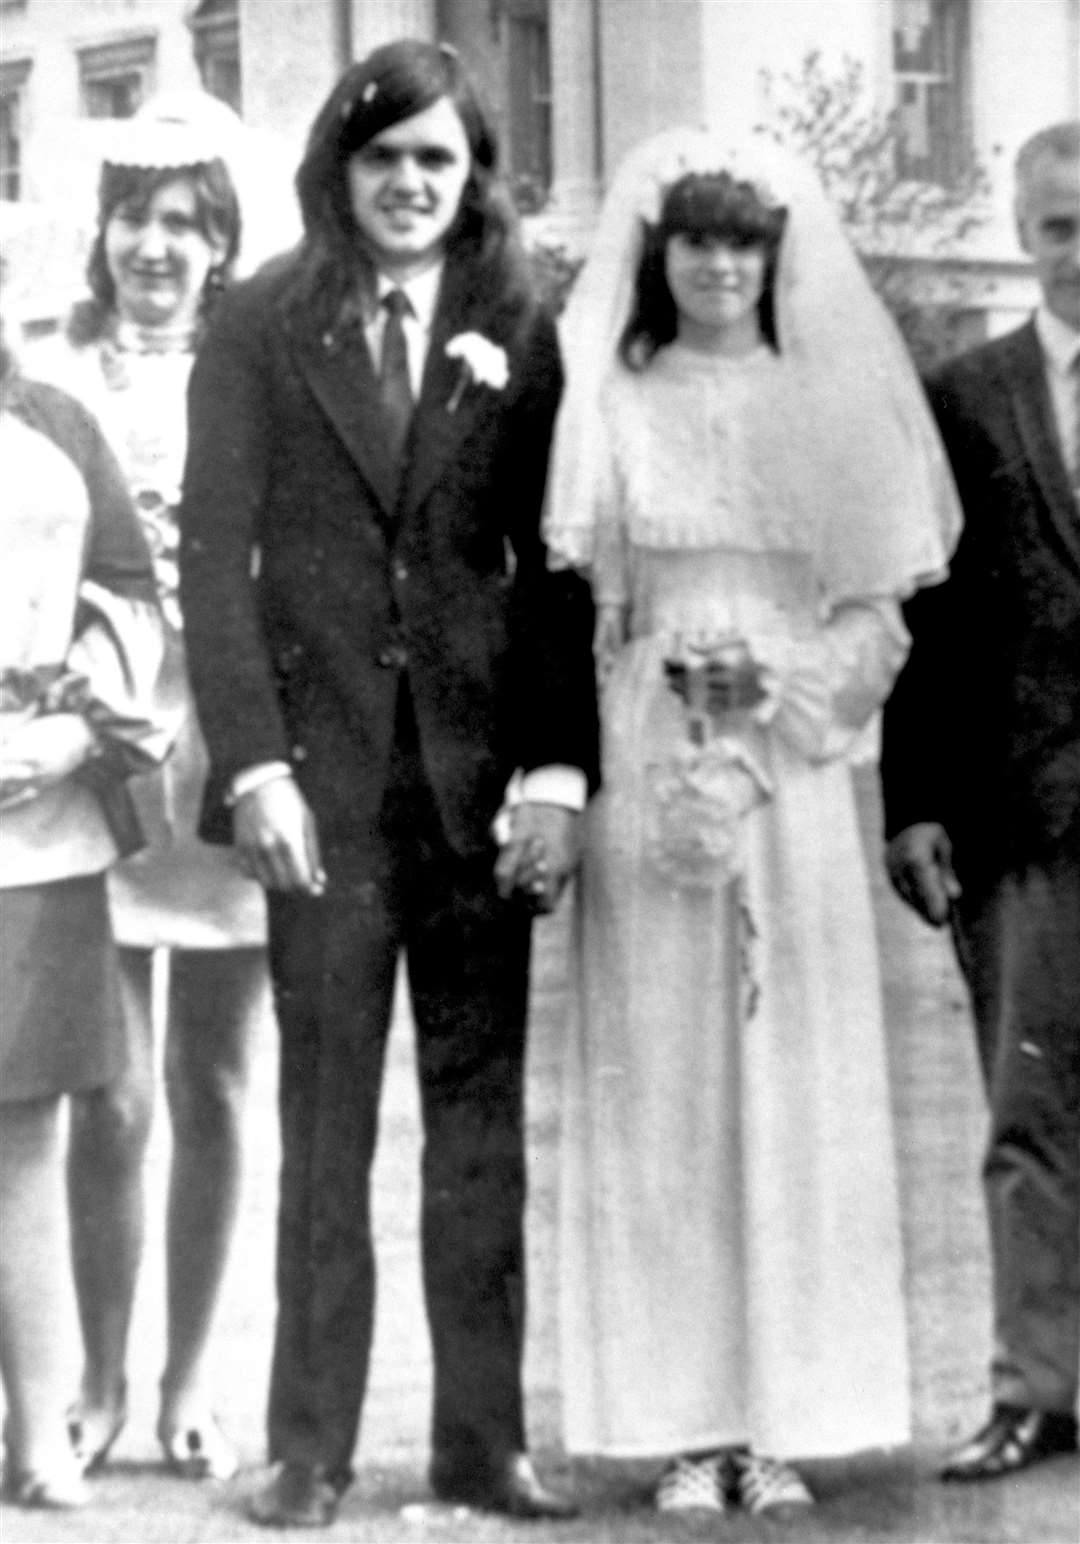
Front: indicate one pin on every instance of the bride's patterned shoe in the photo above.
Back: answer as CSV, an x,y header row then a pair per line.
x,y
695,1484
766,1485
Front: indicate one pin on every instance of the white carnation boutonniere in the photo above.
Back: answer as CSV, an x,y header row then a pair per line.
x,y
483,363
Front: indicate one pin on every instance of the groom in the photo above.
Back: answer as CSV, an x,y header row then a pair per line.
x,y
376,649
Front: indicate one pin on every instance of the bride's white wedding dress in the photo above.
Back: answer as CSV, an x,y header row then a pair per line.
x,y
731,1257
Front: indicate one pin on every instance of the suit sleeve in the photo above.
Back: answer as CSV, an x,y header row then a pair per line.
x,y
225,480
557,717
924,716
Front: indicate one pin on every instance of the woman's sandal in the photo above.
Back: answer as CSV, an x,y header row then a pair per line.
x,y
93,1434
198,1450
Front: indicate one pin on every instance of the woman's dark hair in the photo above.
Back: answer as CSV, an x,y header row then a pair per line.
x,y
699,204
132,188
391,84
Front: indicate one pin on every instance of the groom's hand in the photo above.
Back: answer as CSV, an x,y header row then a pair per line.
x,y
275,838
540,855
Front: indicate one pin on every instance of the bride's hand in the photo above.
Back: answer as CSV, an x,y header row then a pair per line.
x,y
728,684
731,686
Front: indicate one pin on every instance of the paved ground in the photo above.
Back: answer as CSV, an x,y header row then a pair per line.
x,y
939,1122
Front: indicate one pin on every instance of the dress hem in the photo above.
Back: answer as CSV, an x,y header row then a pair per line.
x,y
662,1451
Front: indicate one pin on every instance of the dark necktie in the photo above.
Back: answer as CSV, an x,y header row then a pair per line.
x,y
394,384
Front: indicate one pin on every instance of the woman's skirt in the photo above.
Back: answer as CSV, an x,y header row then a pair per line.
x,y
180,892
61,1020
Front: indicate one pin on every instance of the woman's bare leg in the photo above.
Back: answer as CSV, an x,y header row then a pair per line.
x,y
216,998
110,1129
35,1297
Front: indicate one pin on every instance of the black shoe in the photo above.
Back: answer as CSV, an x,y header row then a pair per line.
x,y
298,1496
511,1487
1012,1439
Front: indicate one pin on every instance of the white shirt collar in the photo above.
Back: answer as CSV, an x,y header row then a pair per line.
x,y
1060,342
422,292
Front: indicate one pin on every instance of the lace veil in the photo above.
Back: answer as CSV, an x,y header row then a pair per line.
x,y
878,490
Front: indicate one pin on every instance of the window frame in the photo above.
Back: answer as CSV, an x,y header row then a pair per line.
x,y
938,87
115,63
530,95
14,75
215,37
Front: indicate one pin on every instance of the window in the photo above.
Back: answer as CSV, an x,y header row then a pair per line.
x,y
930,63
506,45
215,30
13,78
529,77
116,78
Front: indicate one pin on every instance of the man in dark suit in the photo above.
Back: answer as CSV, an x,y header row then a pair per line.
x,y
378,651
981,778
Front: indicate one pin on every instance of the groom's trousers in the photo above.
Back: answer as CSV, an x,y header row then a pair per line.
x,y
334,965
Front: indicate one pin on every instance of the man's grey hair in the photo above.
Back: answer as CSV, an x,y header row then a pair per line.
x,y
1060,140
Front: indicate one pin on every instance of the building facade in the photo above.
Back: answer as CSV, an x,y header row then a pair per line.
x,y
573,83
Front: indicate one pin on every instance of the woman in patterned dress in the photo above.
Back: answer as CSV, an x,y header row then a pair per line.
x,y
167,238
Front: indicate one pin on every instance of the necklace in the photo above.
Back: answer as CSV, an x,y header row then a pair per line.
x,y
127,343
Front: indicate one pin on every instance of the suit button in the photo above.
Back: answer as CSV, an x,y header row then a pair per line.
x,y
394,657
400,571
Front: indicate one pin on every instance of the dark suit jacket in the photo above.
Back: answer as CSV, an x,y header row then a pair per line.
x,y
308,583
982,732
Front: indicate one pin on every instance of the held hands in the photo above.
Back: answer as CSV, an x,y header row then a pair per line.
x,y
540,855
41,752
919,861
275,837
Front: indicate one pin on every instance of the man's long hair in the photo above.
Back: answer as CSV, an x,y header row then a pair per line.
x,y
391,84
131,188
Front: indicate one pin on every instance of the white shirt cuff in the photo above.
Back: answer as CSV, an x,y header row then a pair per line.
x,y
254,777
557,784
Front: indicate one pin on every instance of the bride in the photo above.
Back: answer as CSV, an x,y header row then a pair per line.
x,y
745,469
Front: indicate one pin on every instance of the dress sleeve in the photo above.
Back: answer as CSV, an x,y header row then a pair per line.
x,y
112,668
592,539
117,644
822,691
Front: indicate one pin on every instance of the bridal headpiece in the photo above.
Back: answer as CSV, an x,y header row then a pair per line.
x,y
879,490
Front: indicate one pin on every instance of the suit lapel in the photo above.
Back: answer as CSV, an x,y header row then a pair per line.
x,y
338,369
1034,414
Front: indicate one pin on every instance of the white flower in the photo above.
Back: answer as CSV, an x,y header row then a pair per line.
x,y
483,363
